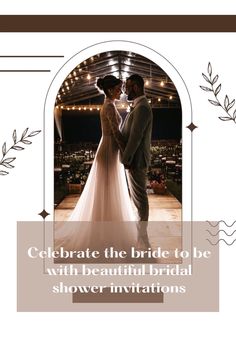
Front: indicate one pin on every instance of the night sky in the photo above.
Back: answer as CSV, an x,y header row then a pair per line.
x,y
83,126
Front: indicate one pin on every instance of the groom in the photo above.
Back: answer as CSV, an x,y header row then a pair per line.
x,y
137,129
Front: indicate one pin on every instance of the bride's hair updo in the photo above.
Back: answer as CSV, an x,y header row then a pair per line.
x,y
108,82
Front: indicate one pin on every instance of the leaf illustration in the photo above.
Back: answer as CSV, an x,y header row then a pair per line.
x,y
34,133
215,103
4,149
215,79
9,159
17,147
224,118
205,88
231,104
206,78
14,136
3,173
26,142
24,133
7,162
8,165
226,102
209,69
217,90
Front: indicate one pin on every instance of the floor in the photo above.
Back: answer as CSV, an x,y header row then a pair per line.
x,y
164,228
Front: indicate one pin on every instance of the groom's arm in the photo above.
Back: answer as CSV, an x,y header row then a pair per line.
x,y
141,118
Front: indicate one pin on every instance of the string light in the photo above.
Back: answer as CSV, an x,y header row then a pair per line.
x,y
170,97
91,108
146,83
88,76
162,83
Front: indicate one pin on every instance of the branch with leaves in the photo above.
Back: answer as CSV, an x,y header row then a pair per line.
x,y
7,162
227,105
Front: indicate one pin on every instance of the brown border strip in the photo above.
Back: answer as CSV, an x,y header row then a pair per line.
x,y
117,23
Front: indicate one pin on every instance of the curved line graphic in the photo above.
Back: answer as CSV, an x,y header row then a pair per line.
x,y
217,234
221,239
219,222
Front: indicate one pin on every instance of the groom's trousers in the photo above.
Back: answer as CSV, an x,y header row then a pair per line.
x,y
138,190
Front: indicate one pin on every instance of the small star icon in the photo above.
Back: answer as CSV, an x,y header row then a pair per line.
x,y
44,214
191,127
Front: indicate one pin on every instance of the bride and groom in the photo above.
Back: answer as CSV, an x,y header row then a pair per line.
x,y
123,146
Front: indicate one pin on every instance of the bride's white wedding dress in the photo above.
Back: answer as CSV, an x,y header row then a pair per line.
x,y
103,213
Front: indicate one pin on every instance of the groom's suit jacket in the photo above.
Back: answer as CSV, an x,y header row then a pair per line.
x,y
137,130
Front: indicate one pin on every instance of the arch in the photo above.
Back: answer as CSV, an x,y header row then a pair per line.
x,y
92,50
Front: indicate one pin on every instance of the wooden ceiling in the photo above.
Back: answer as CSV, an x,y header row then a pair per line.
x,y
79,88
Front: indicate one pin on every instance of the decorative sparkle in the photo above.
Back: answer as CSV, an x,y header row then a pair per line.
x,y
191,127
44,214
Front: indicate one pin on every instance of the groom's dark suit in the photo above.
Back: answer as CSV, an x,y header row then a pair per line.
x,y
136,130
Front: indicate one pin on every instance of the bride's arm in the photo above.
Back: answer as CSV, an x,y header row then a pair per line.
x,y
114,125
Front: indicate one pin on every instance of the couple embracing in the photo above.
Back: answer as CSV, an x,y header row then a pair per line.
x,y
124,146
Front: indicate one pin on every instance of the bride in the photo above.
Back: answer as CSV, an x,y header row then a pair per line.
x,y
100,217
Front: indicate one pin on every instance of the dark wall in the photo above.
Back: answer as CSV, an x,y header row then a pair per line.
x,y
85,126
81,127
167,124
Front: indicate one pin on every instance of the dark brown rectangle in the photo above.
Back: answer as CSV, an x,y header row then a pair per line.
x,y
107,297
117,23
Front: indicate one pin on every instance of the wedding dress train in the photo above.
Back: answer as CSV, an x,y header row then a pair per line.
x,y
103,216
